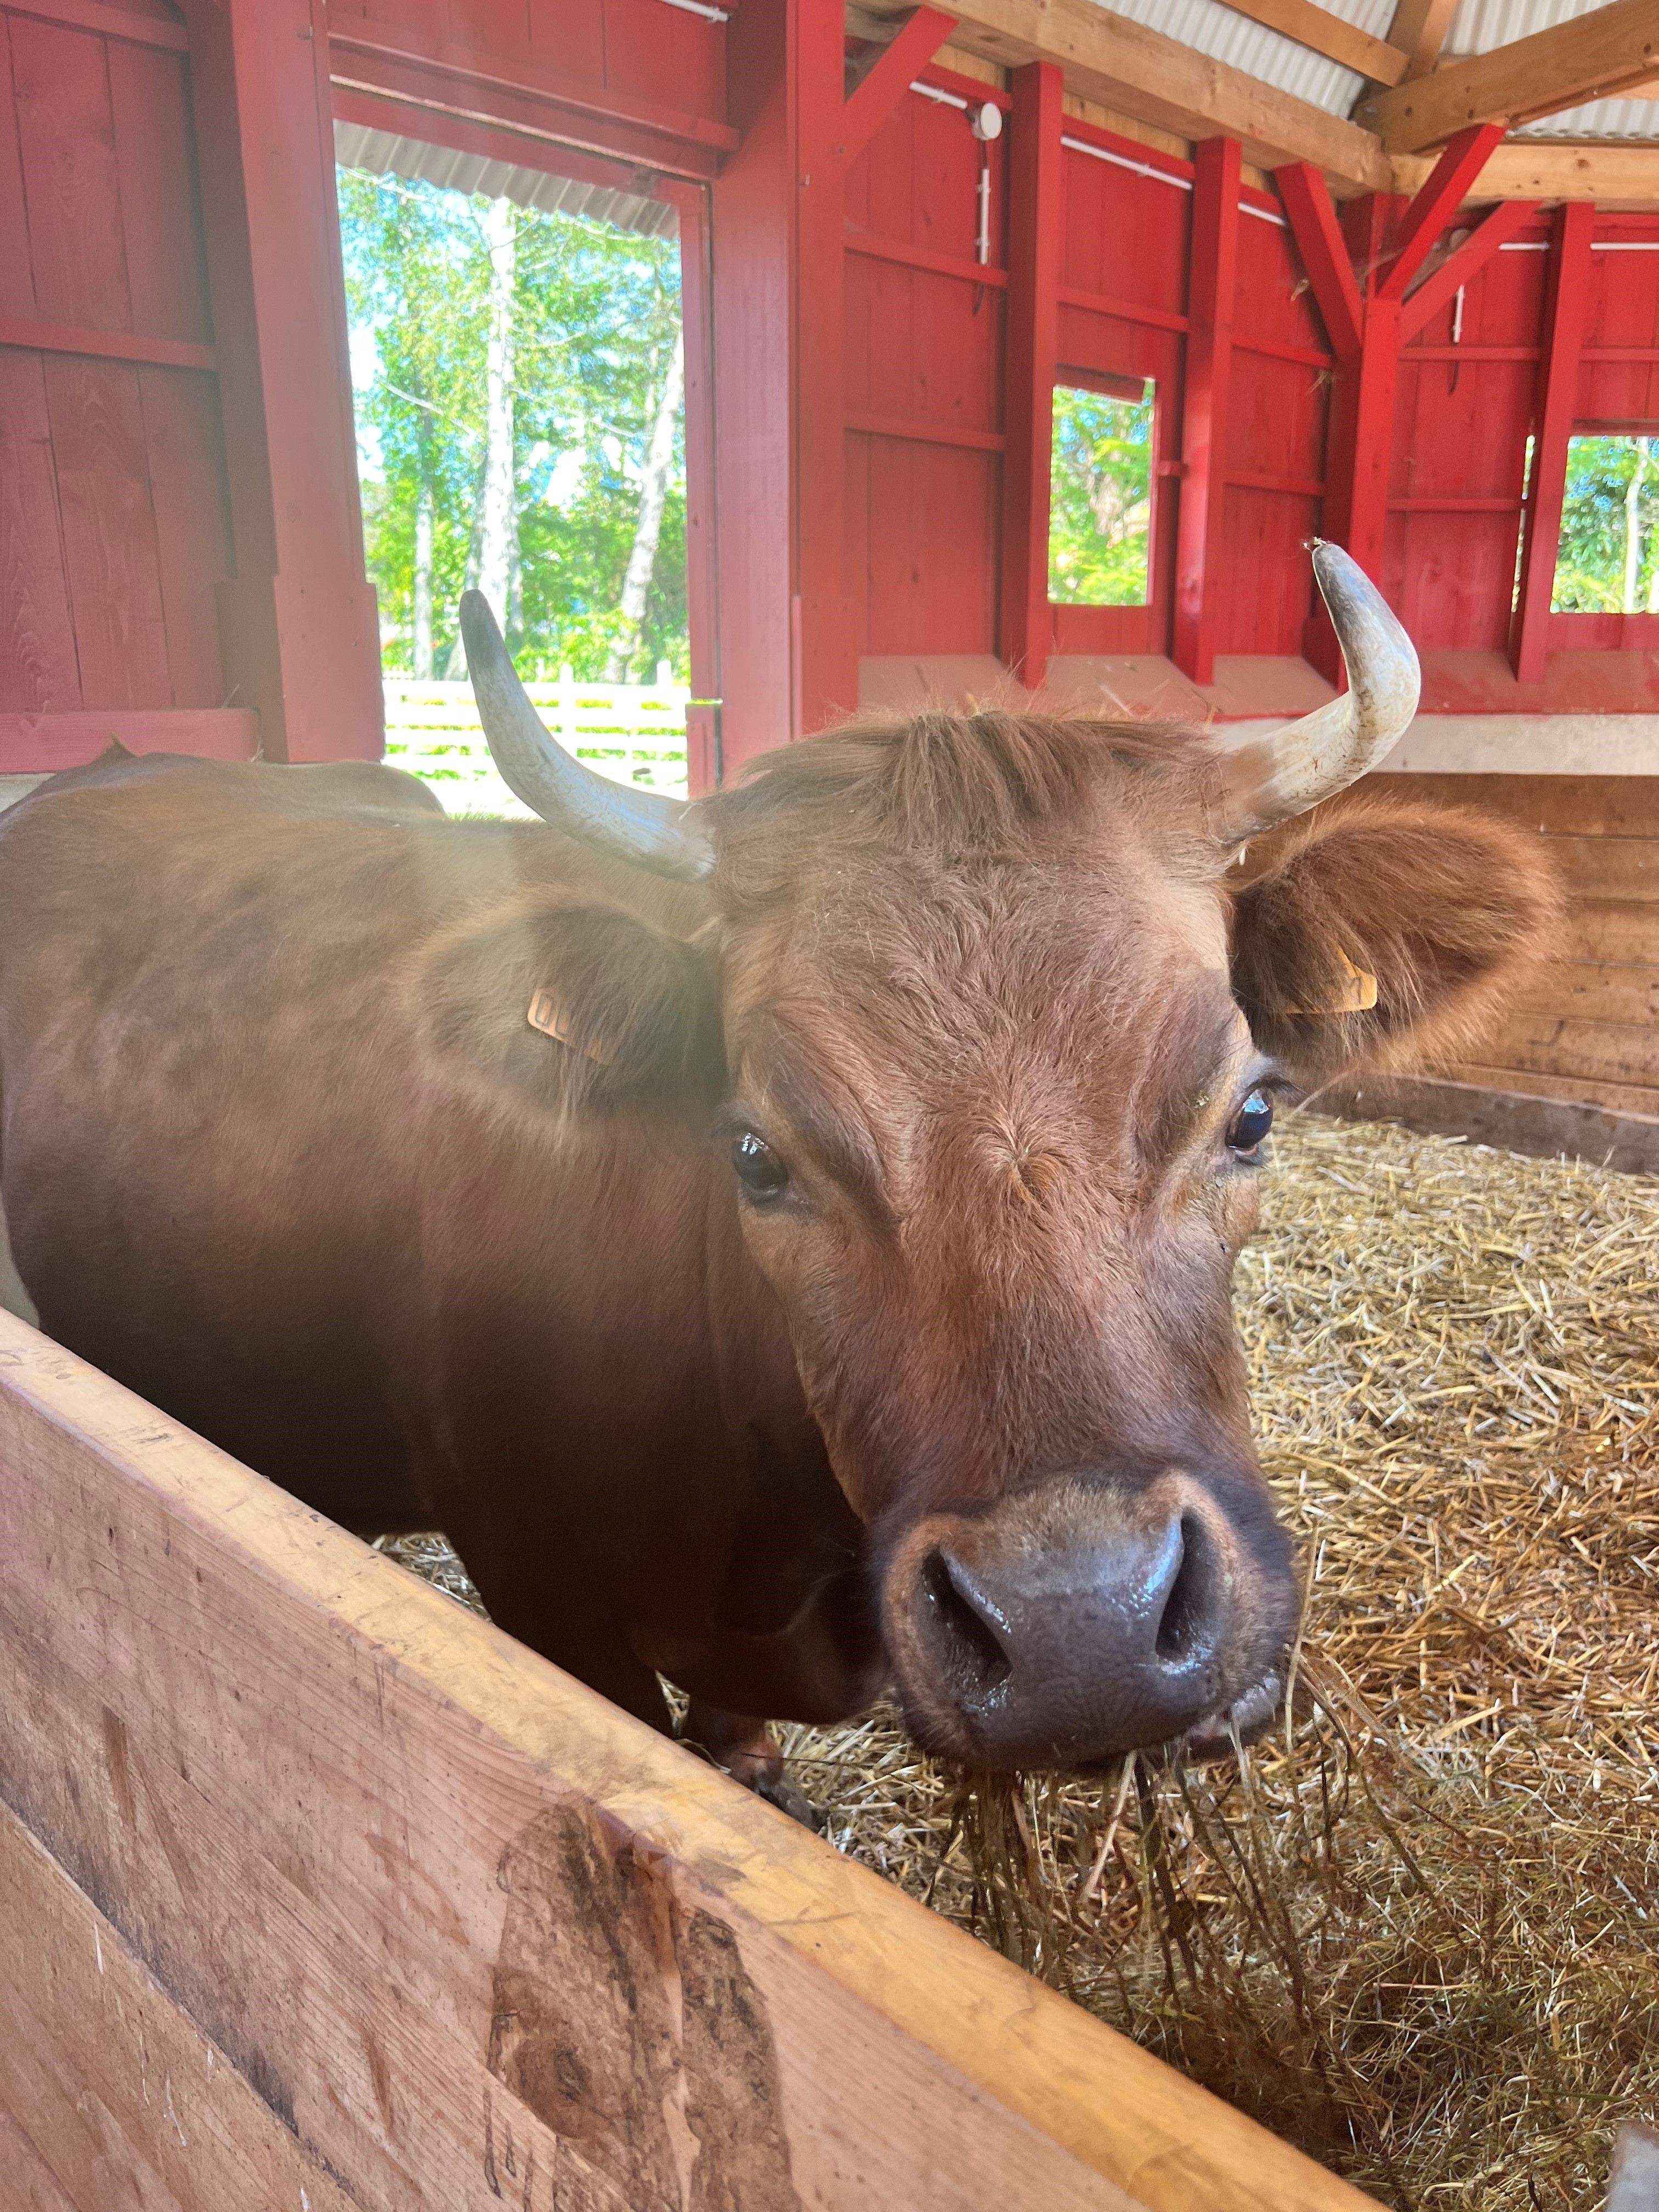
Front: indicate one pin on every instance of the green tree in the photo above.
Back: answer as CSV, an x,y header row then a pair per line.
x,y
1100,501
475,323
1608,558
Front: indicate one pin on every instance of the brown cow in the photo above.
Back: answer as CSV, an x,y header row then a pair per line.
x,y
786,1241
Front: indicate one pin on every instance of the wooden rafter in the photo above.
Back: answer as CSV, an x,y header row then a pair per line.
x,y
891,68
1616,175
1591,58
1136,71
1327,34
1419,30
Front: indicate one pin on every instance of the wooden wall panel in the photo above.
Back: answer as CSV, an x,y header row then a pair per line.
x,y
113,534
1586,1027
1264,535
903,496
1624,311
38,669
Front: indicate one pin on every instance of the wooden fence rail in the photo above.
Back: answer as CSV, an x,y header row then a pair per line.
x,y
633,732
318,1893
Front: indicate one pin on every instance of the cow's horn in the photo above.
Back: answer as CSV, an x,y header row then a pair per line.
x,y
1285,774
646,828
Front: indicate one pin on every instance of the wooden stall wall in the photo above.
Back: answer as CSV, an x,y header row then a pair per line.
x,y
114,528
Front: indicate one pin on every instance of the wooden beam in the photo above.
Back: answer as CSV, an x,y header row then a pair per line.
x,y
1324,253
1566,308
78,736
109,22
1327,34
1035,239
1591,58
1143,74
1614,175
1213,283
1419,29
883,83
466,1930
1421,305
107,345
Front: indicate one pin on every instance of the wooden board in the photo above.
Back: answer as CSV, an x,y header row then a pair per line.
x,y
1518,1121
466,1930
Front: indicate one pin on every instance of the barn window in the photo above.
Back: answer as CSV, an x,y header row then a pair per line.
x,y
1608,562
1100,507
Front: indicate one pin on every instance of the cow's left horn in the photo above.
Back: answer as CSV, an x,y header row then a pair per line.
x,y
1285,774
646,828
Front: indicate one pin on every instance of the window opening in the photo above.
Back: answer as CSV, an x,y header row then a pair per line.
x,y
1607,561
518,382
1100,506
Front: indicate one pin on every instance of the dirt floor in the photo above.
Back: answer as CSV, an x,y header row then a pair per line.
x,y
1415,1929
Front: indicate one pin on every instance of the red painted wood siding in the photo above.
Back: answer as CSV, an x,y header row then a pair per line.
x,y
112,523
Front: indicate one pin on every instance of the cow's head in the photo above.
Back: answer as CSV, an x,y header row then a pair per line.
x,y
1007,1006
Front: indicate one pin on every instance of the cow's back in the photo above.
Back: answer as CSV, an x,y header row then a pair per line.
x,y
218,1148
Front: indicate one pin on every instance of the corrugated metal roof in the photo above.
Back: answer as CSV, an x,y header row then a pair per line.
x,y
385,155
1210,27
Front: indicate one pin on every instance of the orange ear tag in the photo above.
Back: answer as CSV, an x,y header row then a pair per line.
x,y
1356,995
547,1015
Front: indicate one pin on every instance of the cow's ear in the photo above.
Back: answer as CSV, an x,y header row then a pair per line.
x,y
1373,933
569,1005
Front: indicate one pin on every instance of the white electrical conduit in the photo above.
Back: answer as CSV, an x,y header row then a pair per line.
x,y
1162,177
701,7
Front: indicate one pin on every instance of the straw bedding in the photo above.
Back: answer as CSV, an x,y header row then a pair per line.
x,y
1415,1929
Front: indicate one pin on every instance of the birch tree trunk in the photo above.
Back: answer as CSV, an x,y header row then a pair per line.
x,y
653,497
491,554
422,609
1633,524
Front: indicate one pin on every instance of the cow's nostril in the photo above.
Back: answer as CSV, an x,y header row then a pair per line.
x,y
973,1657
1187,1629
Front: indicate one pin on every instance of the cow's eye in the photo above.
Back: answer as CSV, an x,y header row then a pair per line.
x,y
759,1170
1251,1123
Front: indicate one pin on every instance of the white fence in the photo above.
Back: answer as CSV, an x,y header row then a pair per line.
x,y
635,732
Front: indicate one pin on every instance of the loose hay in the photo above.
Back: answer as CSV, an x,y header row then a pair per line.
x,y
1412,1930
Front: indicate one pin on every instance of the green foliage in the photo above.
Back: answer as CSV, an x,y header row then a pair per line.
x,y
1100,510
597,315
1597,521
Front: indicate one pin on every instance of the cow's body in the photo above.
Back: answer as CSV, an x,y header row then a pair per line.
x,y
239,1178
785,1243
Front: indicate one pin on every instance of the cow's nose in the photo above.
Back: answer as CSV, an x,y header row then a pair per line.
x,y
1052,1655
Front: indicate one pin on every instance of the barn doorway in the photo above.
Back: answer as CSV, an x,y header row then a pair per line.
x,y
518,376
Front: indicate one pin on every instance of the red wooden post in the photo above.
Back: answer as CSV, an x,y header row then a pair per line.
x,y
1034,245
1555,407
298,627
702,733
1212,281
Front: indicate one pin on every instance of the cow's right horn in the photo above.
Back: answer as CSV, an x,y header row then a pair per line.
x,y
646,828
1293,769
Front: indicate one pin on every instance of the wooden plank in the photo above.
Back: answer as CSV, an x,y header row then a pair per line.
x,y
1433,205
1035,242
1213,286
107,345
1322,33
1628,934
123,2099
31,742
1580,991
1419,29
109,22
1421,305
109,531
468,1928
1616,175
903,255
888,78
1608,868
1555,409
1593,57
1635,1098
1137,71
1557,806
38,667
16,277
167,273
1517,1119
184,450
35,2187
1608,1052
1324,256
929,434
826,653
67,138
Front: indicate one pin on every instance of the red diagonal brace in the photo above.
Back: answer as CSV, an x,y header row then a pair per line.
x,y
1436,201
1505,220
1324,255
874,98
